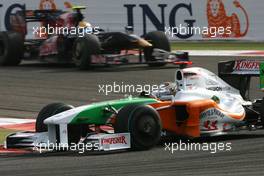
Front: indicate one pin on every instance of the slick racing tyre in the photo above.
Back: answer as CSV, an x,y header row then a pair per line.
x,y
83,49
48,111
159,40
11,48
143,124
64,45
74,131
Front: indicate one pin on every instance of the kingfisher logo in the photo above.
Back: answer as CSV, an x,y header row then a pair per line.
x,y
114,140
245,65
217,17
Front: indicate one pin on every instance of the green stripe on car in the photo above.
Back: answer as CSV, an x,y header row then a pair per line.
x,y
96,113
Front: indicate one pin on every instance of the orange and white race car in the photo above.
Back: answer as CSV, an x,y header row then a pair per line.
x,y
198,103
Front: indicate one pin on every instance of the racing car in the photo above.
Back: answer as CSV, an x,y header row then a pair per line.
x,y
96,48
198,103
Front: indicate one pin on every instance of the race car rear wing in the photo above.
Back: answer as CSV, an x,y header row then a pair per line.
x,y
18,19
238,74
40,15
35,15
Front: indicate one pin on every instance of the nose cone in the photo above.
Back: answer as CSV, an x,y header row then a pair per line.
x,y
65,117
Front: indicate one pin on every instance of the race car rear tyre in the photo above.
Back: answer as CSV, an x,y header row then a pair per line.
x,y
83,49
159,40
143,124
64,46
11,48
74,131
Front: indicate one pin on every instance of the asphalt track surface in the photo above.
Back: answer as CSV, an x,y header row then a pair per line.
x,y
27,88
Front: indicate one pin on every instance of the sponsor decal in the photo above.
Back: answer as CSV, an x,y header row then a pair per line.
x,y
214,120
47,5
210,125
210,119
223,19
159,20
246,65
212,114
231,25
220,25
217,88
114,140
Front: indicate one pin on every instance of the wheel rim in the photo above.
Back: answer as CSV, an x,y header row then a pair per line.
x,y
78,51
146,126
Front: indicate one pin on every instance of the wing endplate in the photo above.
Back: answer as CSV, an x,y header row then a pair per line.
x,y
261,75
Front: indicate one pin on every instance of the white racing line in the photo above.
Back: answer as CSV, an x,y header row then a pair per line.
x,y
249,53
14,121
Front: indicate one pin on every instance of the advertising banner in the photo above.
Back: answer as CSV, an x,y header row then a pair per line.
x,y
180,19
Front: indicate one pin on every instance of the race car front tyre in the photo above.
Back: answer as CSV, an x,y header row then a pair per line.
x,y
159,40
11,48
83,49
74,131
143,124
48,111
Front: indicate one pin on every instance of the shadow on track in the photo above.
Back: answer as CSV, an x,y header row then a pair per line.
x,y
210,139
171,139
97,68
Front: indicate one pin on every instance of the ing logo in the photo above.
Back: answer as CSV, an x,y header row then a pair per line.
x,y
217,17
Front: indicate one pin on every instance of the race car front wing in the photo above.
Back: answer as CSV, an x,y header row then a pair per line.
x,y
47,141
